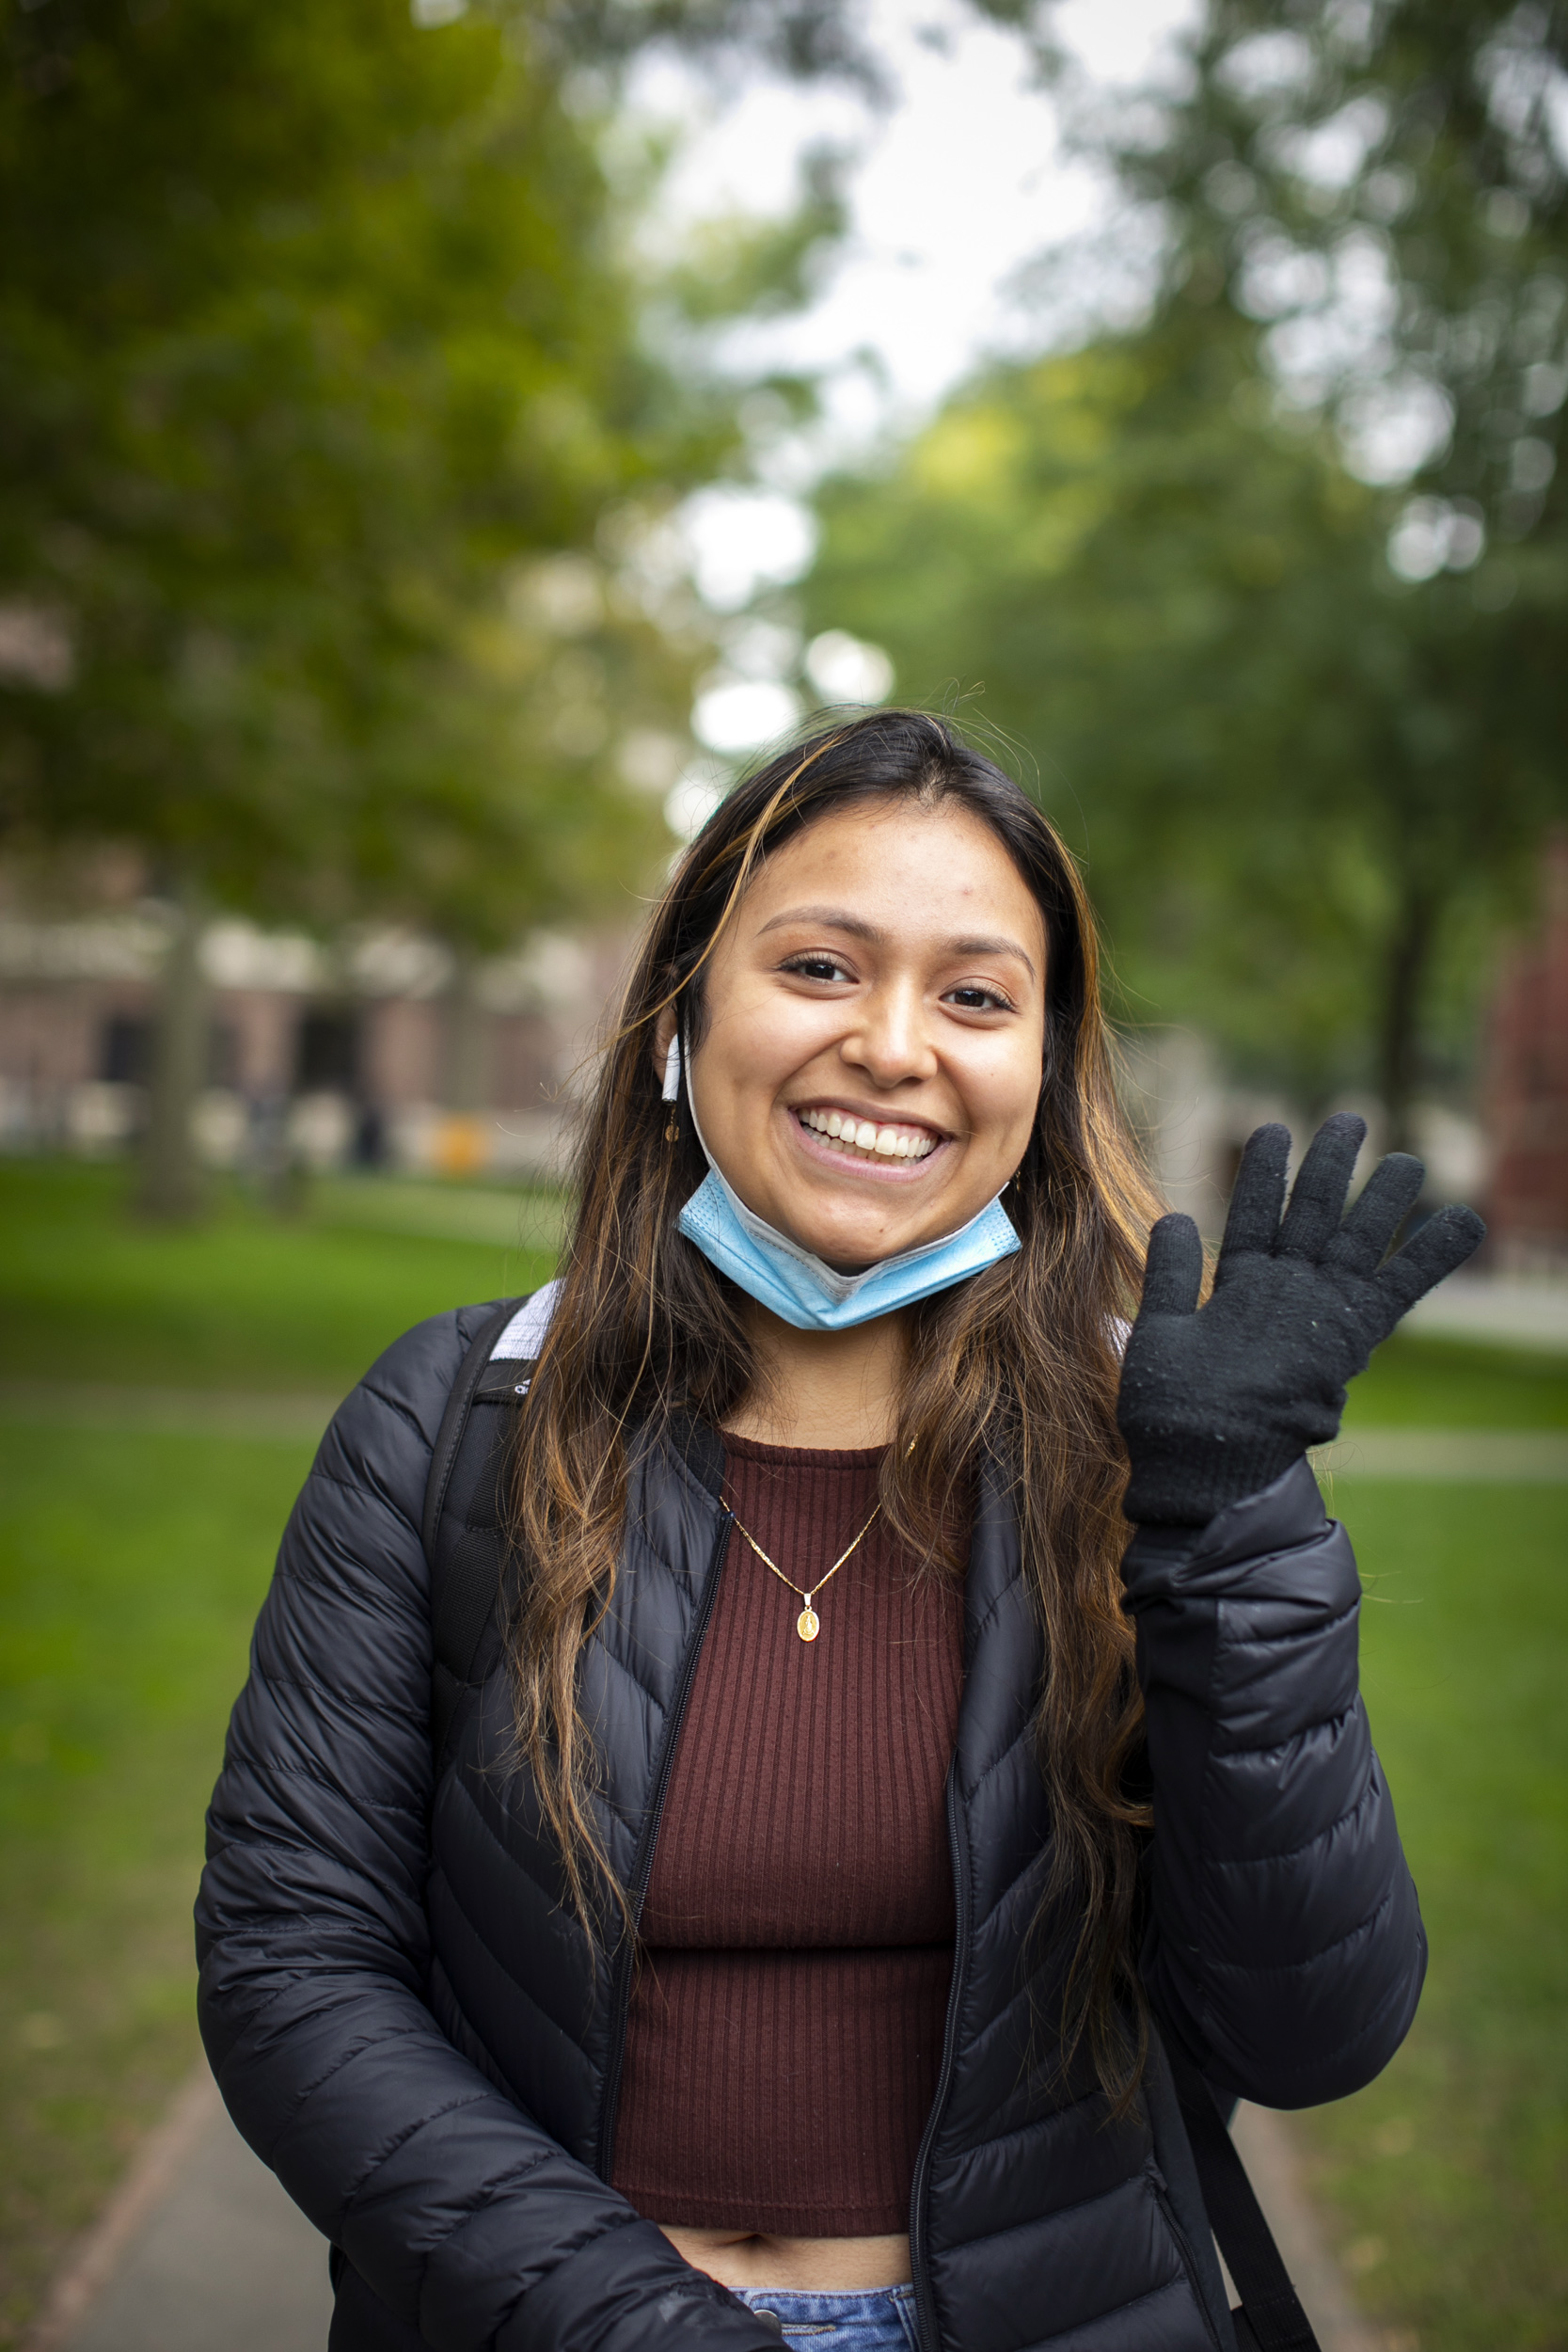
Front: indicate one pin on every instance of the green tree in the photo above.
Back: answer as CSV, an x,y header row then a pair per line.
x,y
1381,188
310,325
1308,761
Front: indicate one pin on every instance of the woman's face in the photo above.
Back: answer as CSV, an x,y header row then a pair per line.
x,y
871,1067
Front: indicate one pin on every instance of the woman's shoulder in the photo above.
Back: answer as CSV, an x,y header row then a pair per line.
x,y
383,1436
400,1402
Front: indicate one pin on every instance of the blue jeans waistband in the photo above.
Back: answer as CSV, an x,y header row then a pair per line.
x,y
875,2319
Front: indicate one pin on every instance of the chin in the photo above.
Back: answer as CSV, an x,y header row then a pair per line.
x,y
852,1252
857,1238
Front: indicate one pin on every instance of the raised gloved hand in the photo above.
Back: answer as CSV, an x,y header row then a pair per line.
x,y
1217,1401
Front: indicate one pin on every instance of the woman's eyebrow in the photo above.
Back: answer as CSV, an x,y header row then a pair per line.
x,y
986,946
840,919
833,918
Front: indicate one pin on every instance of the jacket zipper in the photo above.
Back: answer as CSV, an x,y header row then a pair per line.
x,y
925,2303
643,1862
1163,2198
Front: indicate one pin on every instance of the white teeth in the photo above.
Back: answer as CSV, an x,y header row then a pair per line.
x,y
863,1135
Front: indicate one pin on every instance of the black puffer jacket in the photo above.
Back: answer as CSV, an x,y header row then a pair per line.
x,y
409,2029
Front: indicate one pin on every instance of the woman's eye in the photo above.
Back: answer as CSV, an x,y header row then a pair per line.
x,y
817,968
972,998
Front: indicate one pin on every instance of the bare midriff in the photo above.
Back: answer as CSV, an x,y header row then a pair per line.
x,y
799,2266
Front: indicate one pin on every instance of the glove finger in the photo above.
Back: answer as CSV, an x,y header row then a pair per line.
x,y
1172,1273
1318,1195
1253,1221
1444,1242
1385,1200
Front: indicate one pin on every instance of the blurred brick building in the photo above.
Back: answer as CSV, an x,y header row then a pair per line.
x,y
374,1048
1525,1088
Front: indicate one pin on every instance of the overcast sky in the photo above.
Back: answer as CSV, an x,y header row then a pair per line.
x,y
956,185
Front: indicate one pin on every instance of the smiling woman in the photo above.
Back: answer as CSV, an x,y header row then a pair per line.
x,y
784,1910
875,1076
877,1033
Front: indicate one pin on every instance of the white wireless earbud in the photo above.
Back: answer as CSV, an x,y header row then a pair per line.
x,y
672,1070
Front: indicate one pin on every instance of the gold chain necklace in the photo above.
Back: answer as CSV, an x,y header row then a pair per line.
x,y
807,1625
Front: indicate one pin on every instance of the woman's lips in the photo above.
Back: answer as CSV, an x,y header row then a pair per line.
x,y
888,1148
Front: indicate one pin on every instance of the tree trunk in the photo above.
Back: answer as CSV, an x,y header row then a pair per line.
x,y
171,1174
1404,987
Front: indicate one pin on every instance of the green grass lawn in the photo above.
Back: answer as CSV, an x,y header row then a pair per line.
x,y
1421,1383
243,1301
1447,2182
131,1568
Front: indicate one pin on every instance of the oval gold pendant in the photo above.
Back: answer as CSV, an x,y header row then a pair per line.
x,y
807,1625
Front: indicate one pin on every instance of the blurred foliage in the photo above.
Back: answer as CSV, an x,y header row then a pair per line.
x,y
799,38
803,38
733,265
1304,721
1379,185
330,437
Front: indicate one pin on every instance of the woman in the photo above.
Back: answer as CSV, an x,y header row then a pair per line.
x,y
786,1920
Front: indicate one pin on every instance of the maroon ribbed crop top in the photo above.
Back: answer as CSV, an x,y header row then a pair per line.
x,y
787,2020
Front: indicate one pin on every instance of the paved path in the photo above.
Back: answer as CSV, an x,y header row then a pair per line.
x,y
226,2263
176,1412
1510,1456
1269,2153
511,1218
201,2251
1514,1309
1513,1457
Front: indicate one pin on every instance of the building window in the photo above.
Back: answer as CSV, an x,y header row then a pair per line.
x,y
326,1053
124,1050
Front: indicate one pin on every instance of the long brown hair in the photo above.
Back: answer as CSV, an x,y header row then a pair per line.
x,y
1019,1364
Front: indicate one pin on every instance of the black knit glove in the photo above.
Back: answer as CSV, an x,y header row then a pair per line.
x,y
1217,1401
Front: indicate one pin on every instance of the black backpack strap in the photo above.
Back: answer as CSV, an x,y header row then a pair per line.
x,y
463,1575
455,1419
1270,2318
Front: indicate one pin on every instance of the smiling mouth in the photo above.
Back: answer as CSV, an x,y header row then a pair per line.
x,y
865,1139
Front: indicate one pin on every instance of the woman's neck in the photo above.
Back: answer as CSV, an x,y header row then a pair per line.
x,y
833,1389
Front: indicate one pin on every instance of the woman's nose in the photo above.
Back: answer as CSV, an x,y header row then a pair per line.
x,y
891,1041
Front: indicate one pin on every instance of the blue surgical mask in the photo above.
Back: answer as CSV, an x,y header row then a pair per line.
x,y
802,1289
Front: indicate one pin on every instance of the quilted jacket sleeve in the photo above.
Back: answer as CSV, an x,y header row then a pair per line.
x,y
1286,1949
463,2216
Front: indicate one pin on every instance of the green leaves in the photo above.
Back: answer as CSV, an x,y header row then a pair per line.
x,y
313,328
